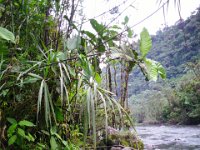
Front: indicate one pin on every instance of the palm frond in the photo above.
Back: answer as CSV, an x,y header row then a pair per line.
x,y
39,102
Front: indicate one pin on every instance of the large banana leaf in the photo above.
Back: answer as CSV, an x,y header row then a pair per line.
x,y
154,69
145,43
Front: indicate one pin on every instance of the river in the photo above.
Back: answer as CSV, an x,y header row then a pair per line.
x,y
170,137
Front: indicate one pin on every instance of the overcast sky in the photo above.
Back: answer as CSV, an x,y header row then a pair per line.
x,y
141,9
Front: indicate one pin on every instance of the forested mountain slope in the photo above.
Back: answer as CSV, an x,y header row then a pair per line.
x,y
175,100
177,45
173,47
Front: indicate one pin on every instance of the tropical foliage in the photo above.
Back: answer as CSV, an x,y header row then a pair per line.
x,y
52,89
184,107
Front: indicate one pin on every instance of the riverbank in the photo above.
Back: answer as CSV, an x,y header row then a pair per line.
x,y
164,123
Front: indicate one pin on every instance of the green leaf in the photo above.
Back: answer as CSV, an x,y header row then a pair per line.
x,y
98,78
30,137
105,109
116,27
11,129
39,102
100,45
72,71
21,132
59,114
45,132
126,19
11,120
53,143
46,105
93,98
29,80
145,42
41,146
58,136
35,76
90,35
53,130
99,28
151,69
130,33
61,55
12,140
113,33
154,69
73,43
26,123
161,71
7,35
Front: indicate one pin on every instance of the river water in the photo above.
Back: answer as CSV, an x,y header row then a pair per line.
x,y
170,137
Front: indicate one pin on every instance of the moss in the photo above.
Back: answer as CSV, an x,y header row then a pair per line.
x,y
124,138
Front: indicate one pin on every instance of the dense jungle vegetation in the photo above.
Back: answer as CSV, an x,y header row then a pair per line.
x,y
53,92
177,99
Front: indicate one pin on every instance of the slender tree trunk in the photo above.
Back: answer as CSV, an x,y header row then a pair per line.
x,y
115,80
122,85
126,88
70,20
109,79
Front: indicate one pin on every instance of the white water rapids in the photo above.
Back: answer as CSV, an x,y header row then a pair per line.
x,y
170,137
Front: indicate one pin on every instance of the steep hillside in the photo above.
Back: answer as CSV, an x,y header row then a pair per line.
x,y
175,100
173,47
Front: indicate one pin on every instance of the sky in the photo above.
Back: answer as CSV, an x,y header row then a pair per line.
x,y
139,10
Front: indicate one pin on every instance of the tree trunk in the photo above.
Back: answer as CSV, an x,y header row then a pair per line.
x,y
115,80
109,79
122,87
126,89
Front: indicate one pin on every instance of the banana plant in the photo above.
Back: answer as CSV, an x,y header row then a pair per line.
x,y
129,58
150,68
